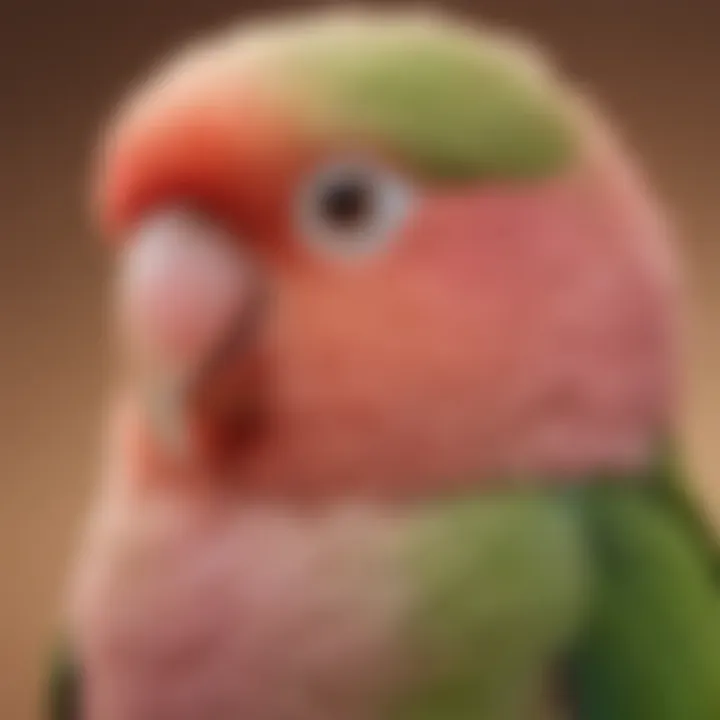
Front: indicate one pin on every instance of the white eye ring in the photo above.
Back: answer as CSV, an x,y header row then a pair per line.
x,y
352,208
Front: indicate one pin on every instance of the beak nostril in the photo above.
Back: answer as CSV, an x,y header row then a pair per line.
x,y
183,282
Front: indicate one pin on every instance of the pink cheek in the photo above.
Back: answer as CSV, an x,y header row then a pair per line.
x,y
435,285
492,248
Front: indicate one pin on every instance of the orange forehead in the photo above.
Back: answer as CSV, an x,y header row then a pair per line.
x,y
234,154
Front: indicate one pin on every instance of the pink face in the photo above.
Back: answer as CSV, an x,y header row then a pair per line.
x,y
502,330
476,333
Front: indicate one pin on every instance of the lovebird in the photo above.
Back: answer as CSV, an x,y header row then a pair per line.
x,y
394,429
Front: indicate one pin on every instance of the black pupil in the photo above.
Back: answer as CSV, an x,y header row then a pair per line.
x,y
346,203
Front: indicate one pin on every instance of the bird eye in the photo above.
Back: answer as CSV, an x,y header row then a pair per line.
x,y
352,208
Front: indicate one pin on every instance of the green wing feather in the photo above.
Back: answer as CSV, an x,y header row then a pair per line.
x,y
652,647
63,699
620,577
501,584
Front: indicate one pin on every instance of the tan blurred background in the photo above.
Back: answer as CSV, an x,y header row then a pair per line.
x,y
654,64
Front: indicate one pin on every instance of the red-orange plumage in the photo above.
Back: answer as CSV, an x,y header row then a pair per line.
x,y
508,327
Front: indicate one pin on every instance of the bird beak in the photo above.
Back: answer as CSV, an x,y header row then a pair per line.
x,y
190,301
